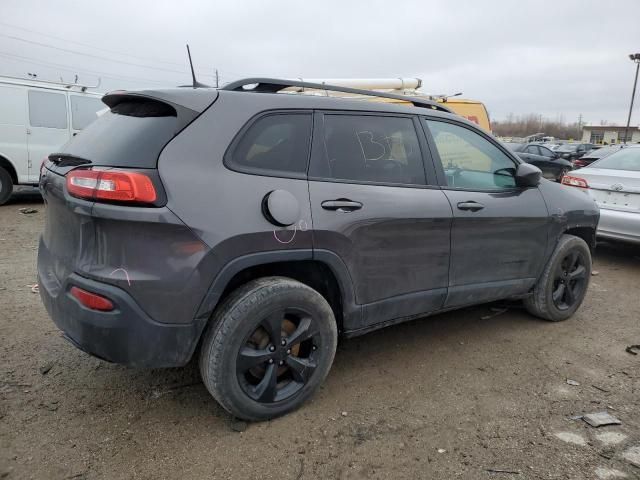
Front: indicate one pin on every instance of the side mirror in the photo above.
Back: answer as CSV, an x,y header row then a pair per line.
x,y
528,175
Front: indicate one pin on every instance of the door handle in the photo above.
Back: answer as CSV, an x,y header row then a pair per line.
x,y
472,206
341,205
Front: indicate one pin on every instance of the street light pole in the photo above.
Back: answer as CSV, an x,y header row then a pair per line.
x,y
635,57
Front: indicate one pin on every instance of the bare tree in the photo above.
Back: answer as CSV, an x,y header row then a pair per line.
x,y
522,126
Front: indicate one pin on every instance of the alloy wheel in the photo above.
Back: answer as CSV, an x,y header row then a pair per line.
x,y
569,281
279,357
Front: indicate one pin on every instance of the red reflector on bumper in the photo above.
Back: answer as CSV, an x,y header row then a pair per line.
x,y
92,300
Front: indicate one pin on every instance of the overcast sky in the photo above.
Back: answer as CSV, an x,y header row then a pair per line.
x,y
553,58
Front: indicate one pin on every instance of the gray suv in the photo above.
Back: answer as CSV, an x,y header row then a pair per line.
x,y
251,227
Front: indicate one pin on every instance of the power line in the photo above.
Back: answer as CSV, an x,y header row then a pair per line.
x,y
68,68
91,46
76,52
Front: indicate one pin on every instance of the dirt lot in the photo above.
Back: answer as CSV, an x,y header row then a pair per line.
x,y
452,396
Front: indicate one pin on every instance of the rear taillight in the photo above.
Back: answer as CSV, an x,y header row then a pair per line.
x,y
574,181
111,185
92,300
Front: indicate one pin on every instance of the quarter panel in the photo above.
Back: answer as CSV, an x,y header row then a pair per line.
x,y
223,207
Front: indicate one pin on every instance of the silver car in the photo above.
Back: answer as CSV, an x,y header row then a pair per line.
x,y
614,184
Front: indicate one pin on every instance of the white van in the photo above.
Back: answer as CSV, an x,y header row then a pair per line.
x,y
36,119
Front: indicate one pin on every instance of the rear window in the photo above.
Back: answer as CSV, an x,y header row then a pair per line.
x,y
626,159
514,147
131,134
601,152
567,148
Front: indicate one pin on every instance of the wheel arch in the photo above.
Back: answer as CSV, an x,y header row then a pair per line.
x,y
586,233
8,166
321,270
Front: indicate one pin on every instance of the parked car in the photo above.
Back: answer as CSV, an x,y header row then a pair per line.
x,y
254,227
36,118
573,151
553,167
614,184
595,154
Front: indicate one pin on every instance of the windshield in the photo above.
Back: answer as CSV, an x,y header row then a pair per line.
x,y
567,148
625,159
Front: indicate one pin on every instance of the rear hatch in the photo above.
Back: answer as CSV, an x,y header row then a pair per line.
x,y
101,233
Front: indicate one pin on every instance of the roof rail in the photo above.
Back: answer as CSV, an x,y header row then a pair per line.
x,y
274,85
67,85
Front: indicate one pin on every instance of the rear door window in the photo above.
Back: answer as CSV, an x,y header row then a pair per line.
x,y
274,144
370,148
84,110
47,109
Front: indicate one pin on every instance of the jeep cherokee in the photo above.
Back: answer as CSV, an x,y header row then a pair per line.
x,y
251,227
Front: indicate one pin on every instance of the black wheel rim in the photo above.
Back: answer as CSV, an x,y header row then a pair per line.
x,y
570,280
279,357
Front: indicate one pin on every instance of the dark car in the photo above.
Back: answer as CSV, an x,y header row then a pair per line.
x,y
553,167
252,228
573,151
596,154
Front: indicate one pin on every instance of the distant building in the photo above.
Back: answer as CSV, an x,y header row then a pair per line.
x,y
610,134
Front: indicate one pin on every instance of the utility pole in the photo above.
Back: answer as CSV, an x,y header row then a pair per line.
x,y
217,79
635,57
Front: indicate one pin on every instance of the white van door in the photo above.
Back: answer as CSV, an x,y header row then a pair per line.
x,y
48,127
13,129
84,110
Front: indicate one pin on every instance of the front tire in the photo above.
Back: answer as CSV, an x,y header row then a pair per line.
x,y
564,281
6,186
268,348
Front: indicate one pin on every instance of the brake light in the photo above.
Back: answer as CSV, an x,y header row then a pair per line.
x,y
574,181
92,300
111,185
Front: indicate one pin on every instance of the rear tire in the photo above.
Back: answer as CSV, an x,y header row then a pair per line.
x,y
6,186
564,281
268,348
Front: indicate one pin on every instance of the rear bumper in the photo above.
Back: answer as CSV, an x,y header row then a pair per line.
x,y
618,225
126,335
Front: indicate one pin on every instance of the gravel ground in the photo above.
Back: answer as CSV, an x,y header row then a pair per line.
x,y
451,396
